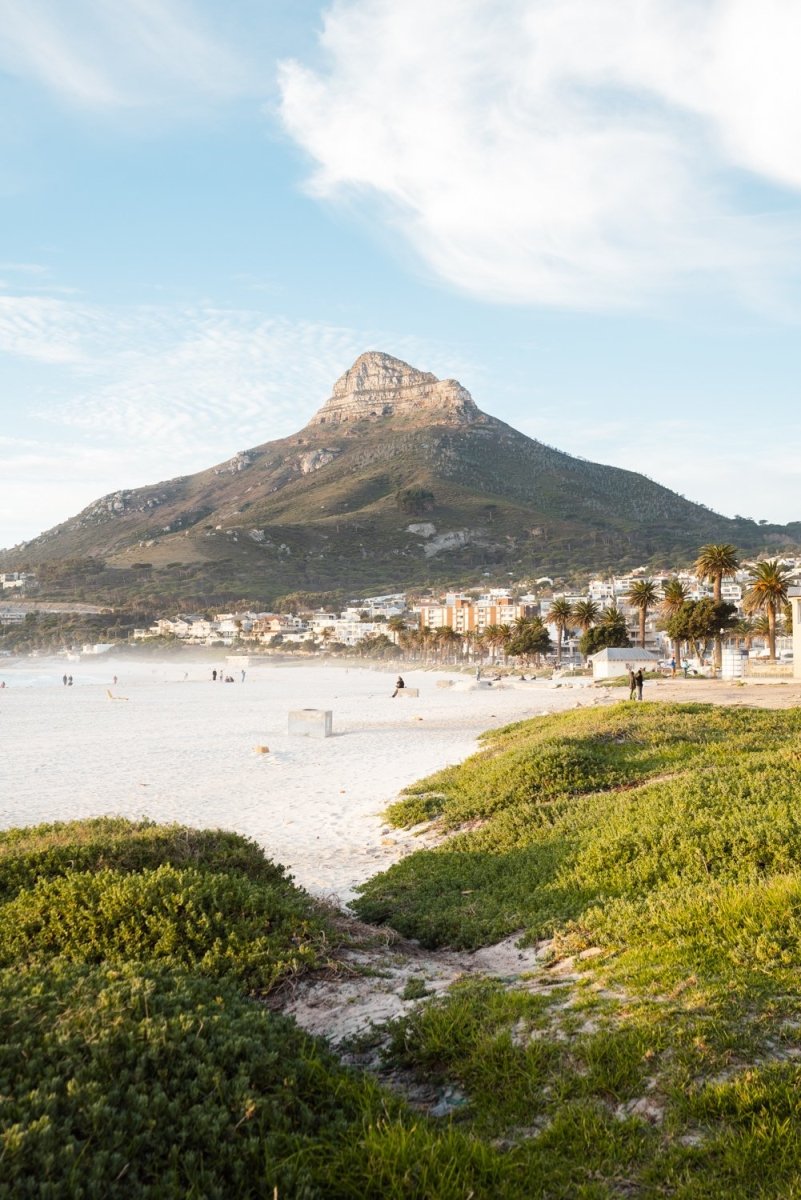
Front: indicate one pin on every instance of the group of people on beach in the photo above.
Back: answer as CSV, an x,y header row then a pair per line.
x,y
635,683
223,678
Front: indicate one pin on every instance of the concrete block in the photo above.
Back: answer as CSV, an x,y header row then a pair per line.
x,y
310,722
413,692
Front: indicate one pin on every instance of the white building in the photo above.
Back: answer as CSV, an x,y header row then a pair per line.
x,y
615,661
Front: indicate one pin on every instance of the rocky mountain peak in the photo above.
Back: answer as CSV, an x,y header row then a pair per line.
x,y
378,385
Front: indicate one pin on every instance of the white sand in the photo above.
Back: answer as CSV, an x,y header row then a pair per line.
x,y
185,750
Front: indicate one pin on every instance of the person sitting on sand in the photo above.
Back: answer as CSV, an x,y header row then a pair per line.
x,y
399,684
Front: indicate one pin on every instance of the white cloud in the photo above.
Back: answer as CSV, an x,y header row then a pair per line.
x,y
136,54
566,152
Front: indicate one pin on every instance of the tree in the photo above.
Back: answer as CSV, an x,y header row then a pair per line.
x,y
716,561
642,595
561,615
767,594
530,639
414,501
745,631
610,631
699,622
396,625
674,595
585,614
493,637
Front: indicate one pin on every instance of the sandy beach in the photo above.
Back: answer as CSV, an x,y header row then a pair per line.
x,y
185,749
182,748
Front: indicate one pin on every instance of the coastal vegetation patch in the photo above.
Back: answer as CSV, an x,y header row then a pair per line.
x,y
657,1051
139,1059
556,817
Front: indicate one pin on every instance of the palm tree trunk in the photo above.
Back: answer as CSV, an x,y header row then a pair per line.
x,y
771,633
642,628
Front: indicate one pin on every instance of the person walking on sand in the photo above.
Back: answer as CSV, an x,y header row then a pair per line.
x,y
638,678
399,685
632,682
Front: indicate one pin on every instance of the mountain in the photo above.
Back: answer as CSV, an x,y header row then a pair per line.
x,y
398,479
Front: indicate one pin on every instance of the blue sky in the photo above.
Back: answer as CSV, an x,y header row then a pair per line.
x,y
586,211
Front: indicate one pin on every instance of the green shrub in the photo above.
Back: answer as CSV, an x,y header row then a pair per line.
x,y
159,1085
121,1083
631,801
44,851
215,924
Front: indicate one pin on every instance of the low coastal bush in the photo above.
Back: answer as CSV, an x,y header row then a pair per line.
x,y
122,1082
706,794
213,923
159,1085
44,851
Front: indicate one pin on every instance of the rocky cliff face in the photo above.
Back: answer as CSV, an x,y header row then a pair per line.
x,y
378,385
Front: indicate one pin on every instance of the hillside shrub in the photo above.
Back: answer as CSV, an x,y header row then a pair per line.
x,y
45,851
213,923
632,802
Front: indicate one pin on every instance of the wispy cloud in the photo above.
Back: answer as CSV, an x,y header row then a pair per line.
x,y
132,55
564,152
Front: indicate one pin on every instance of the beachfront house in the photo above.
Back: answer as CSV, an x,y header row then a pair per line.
x,y
615,661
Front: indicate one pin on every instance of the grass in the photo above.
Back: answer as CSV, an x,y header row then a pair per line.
x,y
572,811
664,842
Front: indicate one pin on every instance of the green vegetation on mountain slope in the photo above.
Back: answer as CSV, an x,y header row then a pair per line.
x,y
272,523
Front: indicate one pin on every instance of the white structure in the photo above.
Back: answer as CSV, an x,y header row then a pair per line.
x,y
615,661
794,596
733,662
310,722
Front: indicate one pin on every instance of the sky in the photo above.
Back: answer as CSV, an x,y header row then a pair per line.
x,y
586,211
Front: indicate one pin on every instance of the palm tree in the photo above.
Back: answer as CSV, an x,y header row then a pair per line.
x,y
674,595
767,594
560,614
715,562
585,614
745,631
396,624
448,639
642,595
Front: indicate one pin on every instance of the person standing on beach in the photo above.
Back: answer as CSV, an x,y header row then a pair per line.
x,y
639,681
399,686
64,680
243,677
632,683
214,676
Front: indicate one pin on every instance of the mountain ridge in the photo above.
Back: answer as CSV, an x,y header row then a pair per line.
x,y
338,503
